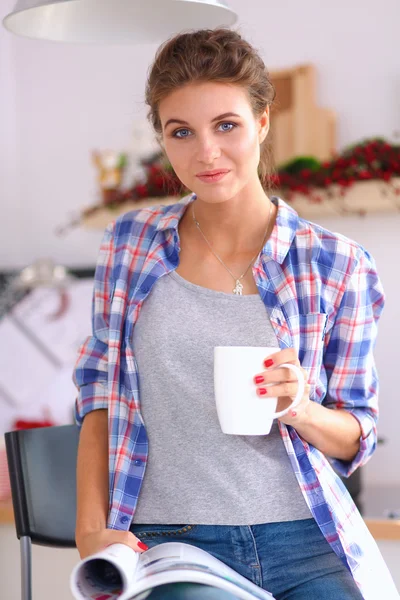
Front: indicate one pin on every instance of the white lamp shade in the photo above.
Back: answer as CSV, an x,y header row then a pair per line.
x,y
115,21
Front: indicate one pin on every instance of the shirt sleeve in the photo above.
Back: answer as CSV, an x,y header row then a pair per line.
x,y
348,357
90,373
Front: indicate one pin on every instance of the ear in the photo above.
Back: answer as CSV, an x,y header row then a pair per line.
x,y
263,125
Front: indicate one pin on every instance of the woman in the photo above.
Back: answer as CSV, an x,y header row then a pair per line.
x,y
228,266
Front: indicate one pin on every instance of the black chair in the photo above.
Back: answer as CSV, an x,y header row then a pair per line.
x,y
42,466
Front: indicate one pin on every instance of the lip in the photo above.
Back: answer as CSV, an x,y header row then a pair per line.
x,y
211,173
212,176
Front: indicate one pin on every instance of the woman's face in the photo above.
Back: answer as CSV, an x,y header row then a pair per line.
x,y
210,127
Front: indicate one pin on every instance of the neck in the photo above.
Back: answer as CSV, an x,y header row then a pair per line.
x,y
237,225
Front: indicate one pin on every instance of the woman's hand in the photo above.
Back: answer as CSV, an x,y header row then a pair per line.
x,y
94,541
282,383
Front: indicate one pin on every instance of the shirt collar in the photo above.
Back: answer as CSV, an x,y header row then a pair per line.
x,y
173,213
283,233
279,242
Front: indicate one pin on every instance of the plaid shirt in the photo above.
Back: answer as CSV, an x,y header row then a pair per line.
x,y
323,297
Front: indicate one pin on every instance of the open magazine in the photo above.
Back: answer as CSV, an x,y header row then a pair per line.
x,y
120,573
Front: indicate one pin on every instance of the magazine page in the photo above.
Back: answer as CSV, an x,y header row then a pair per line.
x,y
174,561
119,573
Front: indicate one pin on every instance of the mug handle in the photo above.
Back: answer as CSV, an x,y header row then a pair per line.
x,y
300,389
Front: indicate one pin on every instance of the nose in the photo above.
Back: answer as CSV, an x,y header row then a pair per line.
x,y
207,151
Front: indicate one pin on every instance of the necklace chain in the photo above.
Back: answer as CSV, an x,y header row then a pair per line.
x,y
238,289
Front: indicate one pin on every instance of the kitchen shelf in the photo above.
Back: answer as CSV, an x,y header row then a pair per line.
x,y
362,198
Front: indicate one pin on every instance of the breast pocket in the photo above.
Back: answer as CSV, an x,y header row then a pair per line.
x,y
308,332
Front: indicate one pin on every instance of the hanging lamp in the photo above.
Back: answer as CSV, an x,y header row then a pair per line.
x,y
115,21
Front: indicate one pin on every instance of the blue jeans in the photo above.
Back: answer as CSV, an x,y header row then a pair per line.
x,y
292,560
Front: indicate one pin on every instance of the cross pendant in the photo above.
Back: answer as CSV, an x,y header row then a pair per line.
x,y
238,289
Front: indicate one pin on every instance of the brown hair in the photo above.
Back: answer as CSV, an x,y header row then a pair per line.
x,y
219,55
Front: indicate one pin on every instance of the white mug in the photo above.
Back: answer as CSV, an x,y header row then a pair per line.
x,y
241,411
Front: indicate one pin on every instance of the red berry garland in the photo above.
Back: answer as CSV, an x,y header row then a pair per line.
x,y
373,159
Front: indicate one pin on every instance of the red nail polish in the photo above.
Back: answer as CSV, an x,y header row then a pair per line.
x,y
268,362
294,413
142,546
262,391
258,379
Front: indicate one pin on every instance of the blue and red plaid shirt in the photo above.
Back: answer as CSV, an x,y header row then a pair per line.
x,y
323,297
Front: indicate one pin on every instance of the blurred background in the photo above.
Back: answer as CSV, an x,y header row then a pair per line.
x,y
76,150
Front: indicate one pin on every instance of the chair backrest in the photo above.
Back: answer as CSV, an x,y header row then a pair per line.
x,y
42,466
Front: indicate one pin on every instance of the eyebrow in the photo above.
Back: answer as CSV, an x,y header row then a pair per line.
x,y
219,118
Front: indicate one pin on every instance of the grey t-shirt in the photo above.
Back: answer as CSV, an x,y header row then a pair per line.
x,y
195,473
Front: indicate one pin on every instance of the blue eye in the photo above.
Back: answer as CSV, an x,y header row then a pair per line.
x,y
175,134
230,125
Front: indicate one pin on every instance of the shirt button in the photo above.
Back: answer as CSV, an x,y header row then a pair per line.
x,y
124,519
138,462
145,289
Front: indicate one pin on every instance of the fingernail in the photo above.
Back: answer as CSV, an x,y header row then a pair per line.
x,y
262,391
258,379
293,413
142,546
268,362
